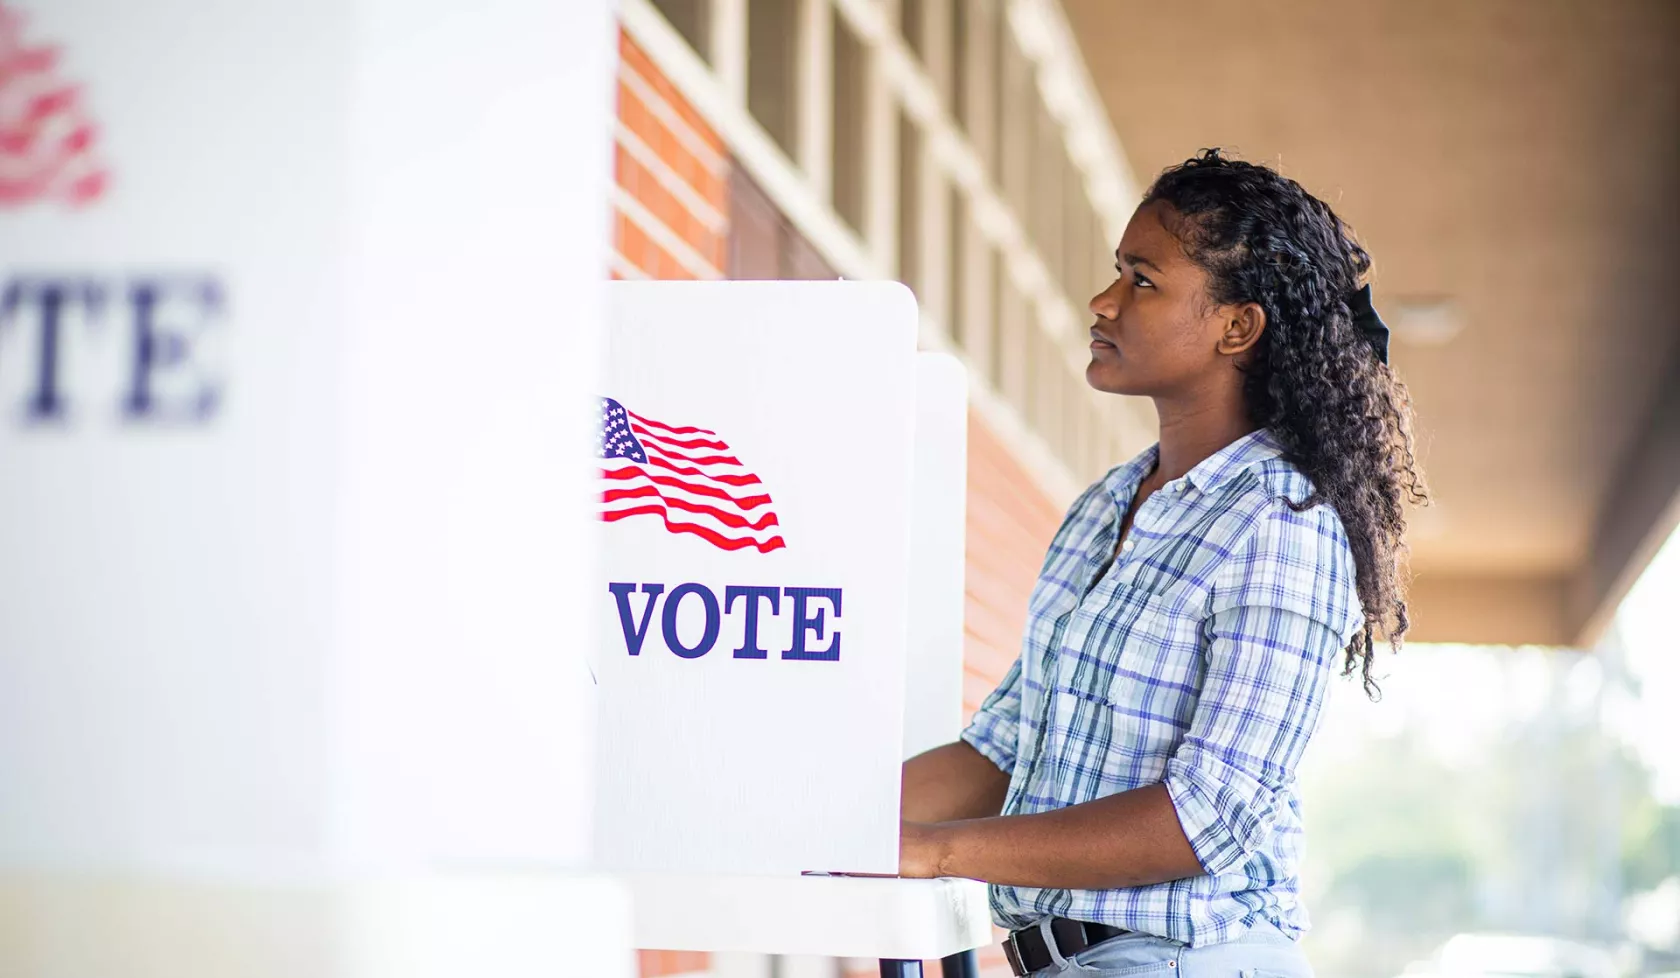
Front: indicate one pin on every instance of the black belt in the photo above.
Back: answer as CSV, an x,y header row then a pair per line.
x,y
1027,952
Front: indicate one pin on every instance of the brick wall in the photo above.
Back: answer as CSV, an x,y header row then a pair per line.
x,y
1010,523
661,964
671,209
682,211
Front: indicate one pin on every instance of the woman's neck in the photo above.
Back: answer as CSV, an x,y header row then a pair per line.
x,y
1191,431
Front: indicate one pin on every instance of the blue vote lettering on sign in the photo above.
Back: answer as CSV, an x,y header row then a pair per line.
x,y
162,315
811,623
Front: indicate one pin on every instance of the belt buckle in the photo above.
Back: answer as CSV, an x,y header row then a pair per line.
x,y
1012,953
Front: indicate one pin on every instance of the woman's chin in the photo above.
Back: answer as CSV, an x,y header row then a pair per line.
x,y
1103,374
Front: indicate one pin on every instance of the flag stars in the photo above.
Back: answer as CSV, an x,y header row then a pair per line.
x,y
616,439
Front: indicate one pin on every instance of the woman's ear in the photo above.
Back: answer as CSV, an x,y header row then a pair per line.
x,y
1243,326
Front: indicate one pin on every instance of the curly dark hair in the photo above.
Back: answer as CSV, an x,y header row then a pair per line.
x,y
1313,378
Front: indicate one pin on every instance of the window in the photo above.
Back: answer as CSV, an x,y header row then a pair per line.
x,y
1073,426
996,343
981,342
1045,217
1090,423
1011,352
986,86
848,146
692,19
938,259
909,203
912,23
762,244
1076,236
1048,376
959,63
974,289
799,259
772,82
960,302
1015,132
1095,465
1101,263
1079,441
754,230
1032,370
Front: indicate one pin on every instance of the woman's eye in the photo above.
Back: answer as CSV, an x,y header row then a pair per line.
x,y
1139,279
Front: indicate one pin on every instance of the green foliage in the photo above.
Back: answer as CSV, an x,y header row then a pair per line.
x,y
1543,828
1650,844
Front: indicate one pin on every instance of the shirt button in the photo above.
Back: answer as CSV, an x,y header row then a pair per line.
x,y
1126,547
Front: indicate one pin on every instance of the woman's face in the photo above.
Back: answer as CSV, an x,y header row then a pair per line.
x,y
1157,333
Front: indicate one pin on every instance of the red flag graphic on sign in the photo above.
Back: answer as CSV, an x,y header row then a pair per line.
x,y
47,149
688,477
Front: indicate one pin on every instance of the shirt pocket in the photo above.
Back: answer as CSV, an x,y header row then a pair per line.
x,y
1126,692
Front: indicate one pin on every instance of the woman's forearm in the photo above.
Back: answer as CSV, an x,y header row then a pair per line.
x,y
1129,839
950,783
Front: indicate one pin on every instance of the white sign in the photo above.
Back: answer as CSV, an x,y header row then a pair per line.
x,y
299,322
756,450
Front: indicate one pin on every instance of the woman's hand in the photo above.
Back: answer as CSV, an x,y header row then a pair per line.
x,y
921,850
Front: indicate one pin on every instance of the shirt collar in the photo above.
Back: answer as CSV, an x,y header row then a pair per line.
x,y
1235,459
1209,474
1122,481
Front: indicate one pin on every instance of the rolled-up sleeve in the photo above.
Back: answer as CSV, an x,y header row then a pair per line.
x,y
996,725
1279,616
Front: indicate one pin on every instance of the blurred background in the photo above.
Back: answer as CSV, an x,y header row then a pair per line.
x,y
1512,805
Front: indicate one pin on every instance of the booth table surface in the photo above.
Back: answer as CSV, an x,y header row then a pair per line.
x,y
852,917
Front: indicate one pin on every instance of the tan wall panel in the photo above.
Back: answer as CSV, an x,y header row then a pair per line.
x,y
1490,610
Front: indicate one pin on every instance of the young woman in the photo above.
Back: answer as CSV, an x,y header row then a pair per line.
x,y
1142,750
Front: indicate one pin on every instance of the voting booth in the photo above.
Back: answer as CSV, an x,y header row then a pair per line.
x,y
756,453
299,341
779,605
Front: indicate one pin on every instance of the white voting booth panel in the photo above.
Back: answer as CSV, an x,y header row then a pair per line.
x,y
845,917
938,550
757,441
725,910
298,335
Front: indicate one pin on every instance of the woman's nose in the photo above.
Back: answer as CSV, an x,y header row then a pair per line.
x,y
1106,304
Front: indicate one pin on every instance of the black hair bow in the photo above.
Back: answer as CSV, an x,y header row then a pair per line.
x,y
1366,320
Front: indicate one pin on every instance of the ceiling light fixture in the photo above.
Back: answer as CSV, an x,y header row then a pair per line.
x,y
1426,320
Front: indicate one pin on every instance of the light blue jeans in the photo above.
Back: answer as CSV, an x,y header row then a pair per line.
x,y
1264,952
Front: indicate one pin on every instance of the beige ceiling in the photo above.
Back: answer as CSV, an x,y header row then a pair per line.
x,y
1521,157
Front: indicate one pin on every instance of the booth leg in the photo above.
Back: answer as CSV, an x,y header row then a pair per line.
x,y
963,964
900,969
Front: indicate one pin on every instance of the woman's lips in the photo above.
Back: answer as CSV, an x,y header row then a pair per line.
x,y
1100,342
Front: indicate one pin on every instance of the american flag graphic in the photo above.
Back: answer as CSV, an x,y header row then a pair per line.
x,y
688,477
46,137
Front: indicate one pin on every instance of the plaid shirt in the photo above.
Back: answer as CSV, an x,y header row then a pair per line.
x,y
1199,659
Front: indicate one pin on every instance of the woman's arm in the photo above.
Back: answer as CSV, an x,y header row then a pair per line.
x,y
1268,669
950,783
1129,839
1271,652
